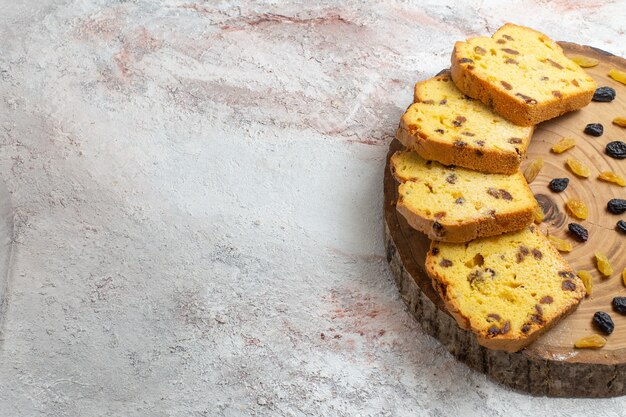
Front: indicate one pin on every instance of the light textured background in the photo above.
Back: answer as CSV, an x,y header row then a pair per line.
x,y
197,194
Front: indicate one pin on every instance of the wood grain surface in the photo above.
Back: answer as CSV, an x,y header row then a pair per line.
x,y
551,365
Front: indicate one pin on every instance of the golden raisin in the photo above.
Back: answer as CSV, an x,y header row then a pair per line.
x,y
560,244
585,277
563,145
620,121
584,61
577,208
578,167
618,75
531,171
538,214
593,341
624,276
609,176
603,264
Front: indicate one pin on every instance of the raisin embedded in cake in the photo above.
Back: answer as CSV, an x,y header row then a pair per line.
x,y
446,126
522,74
457,204
507,289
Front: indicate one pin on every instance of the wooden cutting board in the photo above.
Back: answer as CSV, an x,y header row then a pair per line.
x,y
550,366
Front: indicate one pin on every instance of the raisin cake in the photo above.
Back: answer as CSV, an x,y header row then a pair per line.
x,y
522,74
507,289
446,126
457,204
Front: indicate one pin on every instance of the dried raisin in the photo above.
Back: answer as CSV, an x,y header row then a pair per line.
x,y
616,206
531,171
603,322
604,94
594,341
585,277
580,233
609,176
603,264
584,61
621,226
594,129
624,276
620,121
578,167
616,149
560,244
563,145
558,184
577,208
619,304
618,75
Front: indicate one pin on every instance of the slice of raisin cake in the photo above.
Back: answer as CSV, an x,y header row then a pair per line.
x,y
507,289
458,204
522,74
446,126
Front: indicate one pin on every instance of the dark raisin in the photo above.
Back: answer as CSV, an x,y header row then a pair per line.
x,y
459,200
435,251
451,179
538,309
566,274
555,64
493,316
544,78
506,195
527,99
616,149
557,93
546,300
445,263
442,102
510,51
505,329
506,85
537,253
621,226
616,206
604,94
480,142
438,228
464,60
594,129
511,61
580,233
515,140
479,50
493,192
619,304
558,184
603,322
525,328
439,131
493,330
509,37
460,143
490,272
536,318
568,285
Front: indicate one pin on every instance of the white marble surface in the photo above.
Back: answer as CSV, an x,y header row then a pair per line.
x,y
196,191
